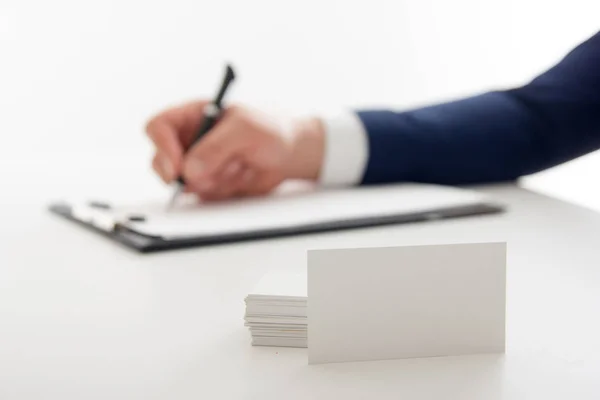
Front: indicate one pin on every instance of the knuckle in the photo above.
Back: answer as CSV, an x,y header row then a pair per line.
x,y
206,151
235,109
239,115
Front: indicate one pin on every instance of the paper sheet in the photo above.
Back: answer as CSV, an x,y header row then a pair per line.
x,y
402,302
286,210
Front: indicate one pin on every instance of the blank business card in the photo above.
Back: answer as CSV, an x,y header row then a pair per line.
x,y
404,302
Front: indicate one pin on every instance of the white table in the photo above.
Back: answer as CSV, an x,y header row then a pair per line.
x,y
82,318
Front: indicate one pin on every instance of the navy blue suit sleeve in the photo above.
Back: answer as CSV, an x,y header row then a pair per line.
x,y
495,136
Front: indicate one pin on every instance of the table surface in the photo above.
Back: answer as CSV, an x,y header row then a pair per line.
x,y
81,317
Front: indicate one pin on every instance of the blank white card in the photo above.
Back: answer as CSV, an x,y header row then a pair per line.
x,y
403,302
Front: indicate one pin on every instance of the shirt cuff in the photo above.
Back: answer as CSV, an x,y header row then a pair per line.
x,y
346,150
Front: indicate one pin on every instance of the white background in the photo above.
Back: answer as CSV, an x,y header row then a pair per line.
x,y
78,79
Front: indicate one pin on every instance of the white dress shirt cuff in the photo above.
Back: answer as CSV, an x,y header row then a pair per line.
x,y
346,150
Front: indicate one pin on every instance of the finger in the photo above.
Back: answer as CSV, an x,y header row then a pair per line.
x,y
231,172
223,181
167,143
242,180
259,184
214,197
163,167
246,182
209,156
225,184
201,187
185,119
218,193
172,131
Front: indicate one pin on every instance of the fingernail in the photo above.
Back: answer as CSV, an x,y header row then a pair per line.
x,y
195,168
167,167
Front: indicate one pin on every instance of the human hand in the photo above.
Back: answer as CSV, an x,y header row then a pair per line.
x,y
247,153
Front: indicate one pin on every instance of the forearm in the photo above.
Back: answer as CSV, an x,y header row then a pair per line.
x,y
491,137
495,136
482,138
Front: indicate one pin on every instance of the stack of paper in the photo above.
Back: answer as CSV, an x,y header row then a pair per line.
x,y
276,310
385,302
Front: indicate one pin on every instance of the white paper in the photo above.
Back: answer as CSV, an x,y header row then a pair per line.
x,y
403,302
285,209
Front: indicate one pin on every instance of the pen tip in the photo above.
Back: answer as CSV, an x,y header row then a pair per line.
x,y
174,197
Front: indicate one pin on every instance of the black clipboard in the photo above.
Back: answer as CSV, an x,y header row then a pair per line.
x,y
145,243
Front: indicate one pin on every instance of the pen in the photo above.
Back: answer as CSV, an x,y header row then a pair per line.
x,y
212,112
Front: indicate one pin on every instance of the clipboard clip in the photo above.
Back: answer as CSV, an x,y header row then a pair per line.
x,y
95,216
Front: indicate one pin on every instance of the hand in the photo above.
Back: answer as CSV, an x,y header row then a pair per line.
x,y
246,153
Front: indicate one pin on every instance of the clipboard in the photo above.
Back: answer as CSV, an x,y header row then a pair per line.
x,y
150,227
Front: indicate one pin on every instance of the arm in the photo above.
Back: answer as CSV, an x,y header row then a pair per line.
x,y
491,137
494,136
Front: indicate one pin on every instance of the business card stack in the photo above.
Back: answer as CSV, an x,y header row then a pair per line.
x,y
276,310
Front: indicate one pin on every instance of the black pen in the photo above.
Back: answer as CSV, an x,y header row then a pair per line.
x,y
212,112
